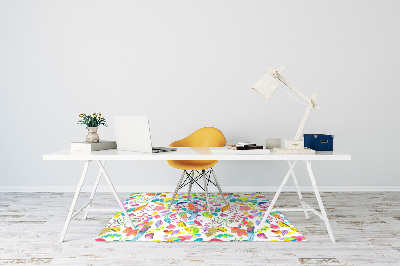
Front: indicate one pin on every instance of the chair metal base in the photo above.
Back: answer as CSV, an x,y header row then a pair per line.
x,y
191,179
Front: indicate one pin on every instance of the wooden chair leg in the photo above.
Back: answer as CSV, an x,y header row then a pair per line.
x,y
206,189
176,190
219,187
190,184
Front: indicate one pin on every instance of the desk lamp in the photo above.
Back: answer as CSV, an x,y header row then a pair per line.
x,y
266,86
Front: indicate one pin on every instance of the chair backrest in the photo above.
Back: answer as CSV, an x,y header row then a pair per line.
x,y
204,137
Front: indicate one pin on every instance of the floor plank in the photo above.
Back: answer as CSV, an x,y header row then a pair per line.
x,y
366,226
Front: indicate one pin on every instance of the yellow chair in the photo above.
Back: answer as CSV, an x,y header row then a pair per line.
x,y
204,137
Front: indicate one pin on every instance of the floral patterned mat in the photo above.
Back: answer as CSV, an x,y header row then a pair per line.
x,y
190,220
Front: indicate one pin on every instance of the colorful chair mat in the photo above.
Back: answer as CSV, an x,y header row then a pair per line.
x,y
190,220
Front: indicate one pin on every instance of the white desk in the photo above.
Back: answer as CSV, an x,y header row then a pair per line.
x,y
194,154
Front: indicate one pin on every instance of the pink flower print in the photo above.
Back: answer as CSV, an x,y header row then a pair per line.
x,y
215,239
159,208
100,239
149,236
262,236
244,208
274,226
284,232
171,226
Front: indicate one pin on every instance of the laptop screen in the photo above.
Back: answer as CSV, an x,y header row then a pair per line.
x,y
132,133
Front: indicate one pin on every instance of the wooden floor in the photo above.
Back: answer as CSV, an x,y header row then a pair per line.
x,y
366,226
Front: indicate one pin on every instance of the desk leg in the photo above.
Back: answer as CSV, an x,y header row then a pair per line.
x,y
127,218
299,192
93,192
321,205
71,210
271,205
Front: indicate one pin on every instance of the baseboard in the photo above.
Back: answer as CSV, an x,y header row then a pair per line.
x,y
195,189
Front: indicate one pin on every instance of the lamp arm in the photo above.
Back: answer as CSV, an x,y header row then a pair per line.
x,y
293,88
305,117
311,102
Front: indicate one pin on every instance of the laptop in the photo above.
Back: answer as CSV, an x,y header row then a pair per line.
x,y
133,134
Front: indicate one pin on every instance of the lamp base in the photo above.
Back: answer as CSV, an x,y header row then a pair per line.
x,y
293,151
294,144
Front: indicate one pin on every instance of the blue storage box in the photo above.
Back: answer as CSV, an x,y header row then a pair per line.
x,y
318,142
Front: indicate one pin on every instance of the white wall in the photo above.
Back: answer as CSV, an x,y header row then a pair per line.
x,y
190,64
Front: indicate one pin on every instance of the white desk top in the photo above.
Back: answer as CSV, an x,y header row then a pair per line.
x,y
184,153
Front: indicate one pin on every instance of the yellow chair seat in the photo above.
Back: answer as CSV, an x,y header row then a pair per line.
x,y
204,137
192,164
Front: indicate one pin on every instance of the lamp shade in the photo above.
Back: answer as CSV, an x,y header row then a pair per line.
x,y
266,86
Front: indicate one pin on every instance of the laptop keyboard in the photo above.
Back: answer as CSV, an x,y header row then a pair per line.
x,y
162,149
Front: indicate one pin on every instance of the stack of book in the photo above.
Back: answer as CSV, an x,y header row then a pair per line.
x,y
245,146
240,148
98,146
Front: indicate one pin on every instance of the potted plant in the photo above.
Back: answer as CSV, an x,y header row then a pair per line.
x,y
92,123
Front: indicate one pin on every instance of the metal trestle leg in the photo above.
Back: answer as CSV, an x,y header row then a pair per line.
x,y
299,192
129,221
71,210
271,205
93,192
321,205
